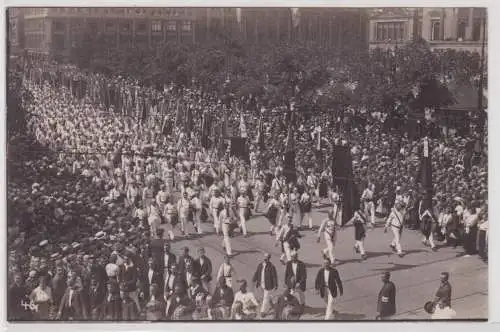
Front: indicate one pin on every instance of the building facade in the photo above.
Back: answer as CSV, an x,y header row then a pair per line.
x,y
58,31
15,32
444,28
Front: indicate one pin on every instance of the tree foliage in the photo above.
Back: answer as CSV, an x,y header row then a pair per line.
x,y
311,75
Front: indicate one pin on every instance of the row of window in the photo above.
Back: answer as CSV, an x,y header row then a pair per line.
x,y
35,11
390,31
156,26
436,33
34,41
124,11
33,24
397,30
126,27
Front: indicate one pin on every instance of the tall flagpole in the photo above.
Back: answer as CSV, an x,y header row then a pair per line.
x,y
481,75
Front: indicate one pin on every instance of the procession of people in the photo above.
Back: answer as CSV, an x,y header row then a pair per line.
x,y
98,196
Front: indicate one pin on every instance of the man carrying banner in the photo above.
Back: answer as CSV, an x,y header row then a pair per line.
x,y
360,221
428,221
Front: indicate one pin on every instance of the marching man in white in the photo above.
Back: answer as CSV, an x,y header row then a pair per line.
x,y
224,218
367,199
183,206
395,221
330,227
260,185
216,206
243,206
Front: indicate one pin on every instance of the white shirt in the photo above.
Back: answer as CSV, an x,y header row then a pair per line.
x,y
150,275
395,219
248,300
294,268
111,270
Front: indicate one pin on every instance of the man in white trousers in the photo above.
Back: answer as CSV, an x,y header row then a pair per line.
x,y
330,227
395,221
282,236
216,206
243,206
266,278
225,220
367,199
328,285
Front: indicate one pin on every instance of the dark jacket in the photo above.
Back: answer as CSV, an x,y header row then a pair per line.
x,y
129,309
78,308
156,278
96,297
223,293
270,276
444,294
386,305
16,295
301,276
205,269
178,280
129,278
172,260
112,307
334,282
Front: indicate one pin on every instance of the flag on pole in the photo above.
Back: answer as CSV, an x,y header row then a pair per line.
x,y
188,121
289,169
205,130
425,175
260,135
178,114
343,176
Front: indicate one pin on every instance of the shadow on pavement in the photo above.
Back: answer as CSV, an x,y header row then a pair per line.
x,y
349,316
415,251
316,312
395,267
241,252
377,254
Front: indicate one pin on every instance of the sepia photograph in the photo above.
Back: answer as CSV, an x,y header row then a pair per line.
x,y
246,164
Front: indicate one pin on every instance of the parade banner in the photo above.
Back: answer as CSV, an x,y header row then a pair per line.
x,y
343,177
425,175
289,169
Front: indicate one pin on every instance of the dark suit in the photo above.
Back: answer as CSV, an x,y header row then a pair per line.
x,y
334,282
16,295
156,278
58,288
223,293
129,278
129,309
301,276
77,310
96,298
270,276
99,273
205,269
181,265
172,260
176,281
386,305
112,307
